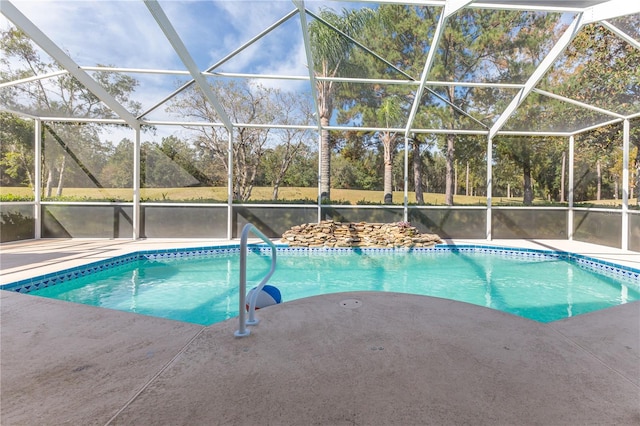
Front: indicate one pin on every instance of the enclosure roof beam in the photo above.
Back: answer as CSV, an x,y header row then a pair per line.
x,y
392,66
450,7
29,28
609,10
409,82
223,60
33,78
532,5
179,47
310,65
19,113
537,75
578,103
617,31
597,126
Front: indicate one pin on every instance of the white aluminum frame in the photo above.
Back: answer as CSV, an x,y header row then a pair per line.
x,y
585,14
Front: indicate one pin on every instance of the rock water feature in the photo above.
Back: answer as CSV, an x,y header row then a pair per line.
x,y
361,234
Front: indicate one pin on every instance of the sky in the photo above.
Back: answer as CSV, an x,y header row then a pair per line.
x,y
124,34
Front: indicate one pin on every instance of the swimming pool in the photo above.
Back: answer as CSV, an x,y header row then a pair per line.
x,y
201,285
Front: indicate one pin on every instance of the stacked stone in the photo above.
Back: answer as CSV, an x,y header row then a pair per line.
x,y
362,234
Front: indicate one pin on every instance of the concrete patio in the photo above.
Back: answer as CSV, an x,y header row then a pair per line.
x,y
349,358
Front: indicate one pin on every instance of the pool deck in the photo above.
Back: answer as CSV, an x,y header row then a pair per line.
x,y
361,358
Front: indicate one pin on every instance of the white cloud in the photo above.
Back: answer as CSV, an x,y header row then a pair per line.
x,y
124,34
109,32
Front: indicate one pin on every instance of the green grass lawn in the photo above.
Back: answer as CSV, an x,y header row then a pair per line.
x,y
264,194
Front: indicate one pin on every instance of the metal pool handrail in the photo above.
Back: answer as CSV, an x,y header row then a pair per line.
x,y
242,330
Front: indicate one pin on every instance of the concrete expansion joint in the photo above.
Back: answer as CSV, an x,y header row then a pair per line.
x,y
155,376
594,356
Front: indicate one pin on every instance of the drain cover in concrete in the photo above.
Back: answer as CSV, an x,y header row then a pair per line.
x,y
351,303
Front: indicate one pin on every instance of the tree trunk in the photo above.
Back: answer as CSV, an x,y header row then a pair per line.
x,y
615,189
325,161
455,178
387,141
508,190
528,190
449,171
276,187
47,190
564,165
466,181
61,175
417,173
599,184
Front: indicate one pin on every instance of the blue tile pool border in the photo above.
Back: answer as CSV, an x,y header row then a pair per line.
x,y
585,262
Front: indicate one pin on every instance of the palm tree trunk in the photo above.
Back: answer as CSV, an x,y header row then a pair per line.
x,y
325,161
388,168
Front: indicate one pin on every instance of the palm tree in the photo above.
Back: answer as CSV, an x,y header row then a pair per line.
x,y
389,114
330,49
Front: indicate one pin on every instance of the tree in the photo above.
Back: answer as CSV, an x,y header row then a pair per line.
x,y
539,160
416,168
170,163
468,47
16,159
331,51
357,165
250,104
62,95
470,155
598,155
278,160
115,173
611,66
291,108
388,114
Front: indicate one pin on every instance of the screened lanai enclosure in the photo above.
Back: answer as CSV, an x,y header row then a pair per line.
x,y
469,119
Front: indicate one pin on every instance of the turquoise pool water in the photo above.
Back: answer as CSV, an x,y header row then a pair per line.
x,y
204,289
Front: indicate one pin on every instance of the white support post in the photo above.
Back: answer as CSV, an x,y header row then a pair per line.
x,y
489,187
406,179
37,181
570,189
625,184
137,220
230,187
319,175
314,93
